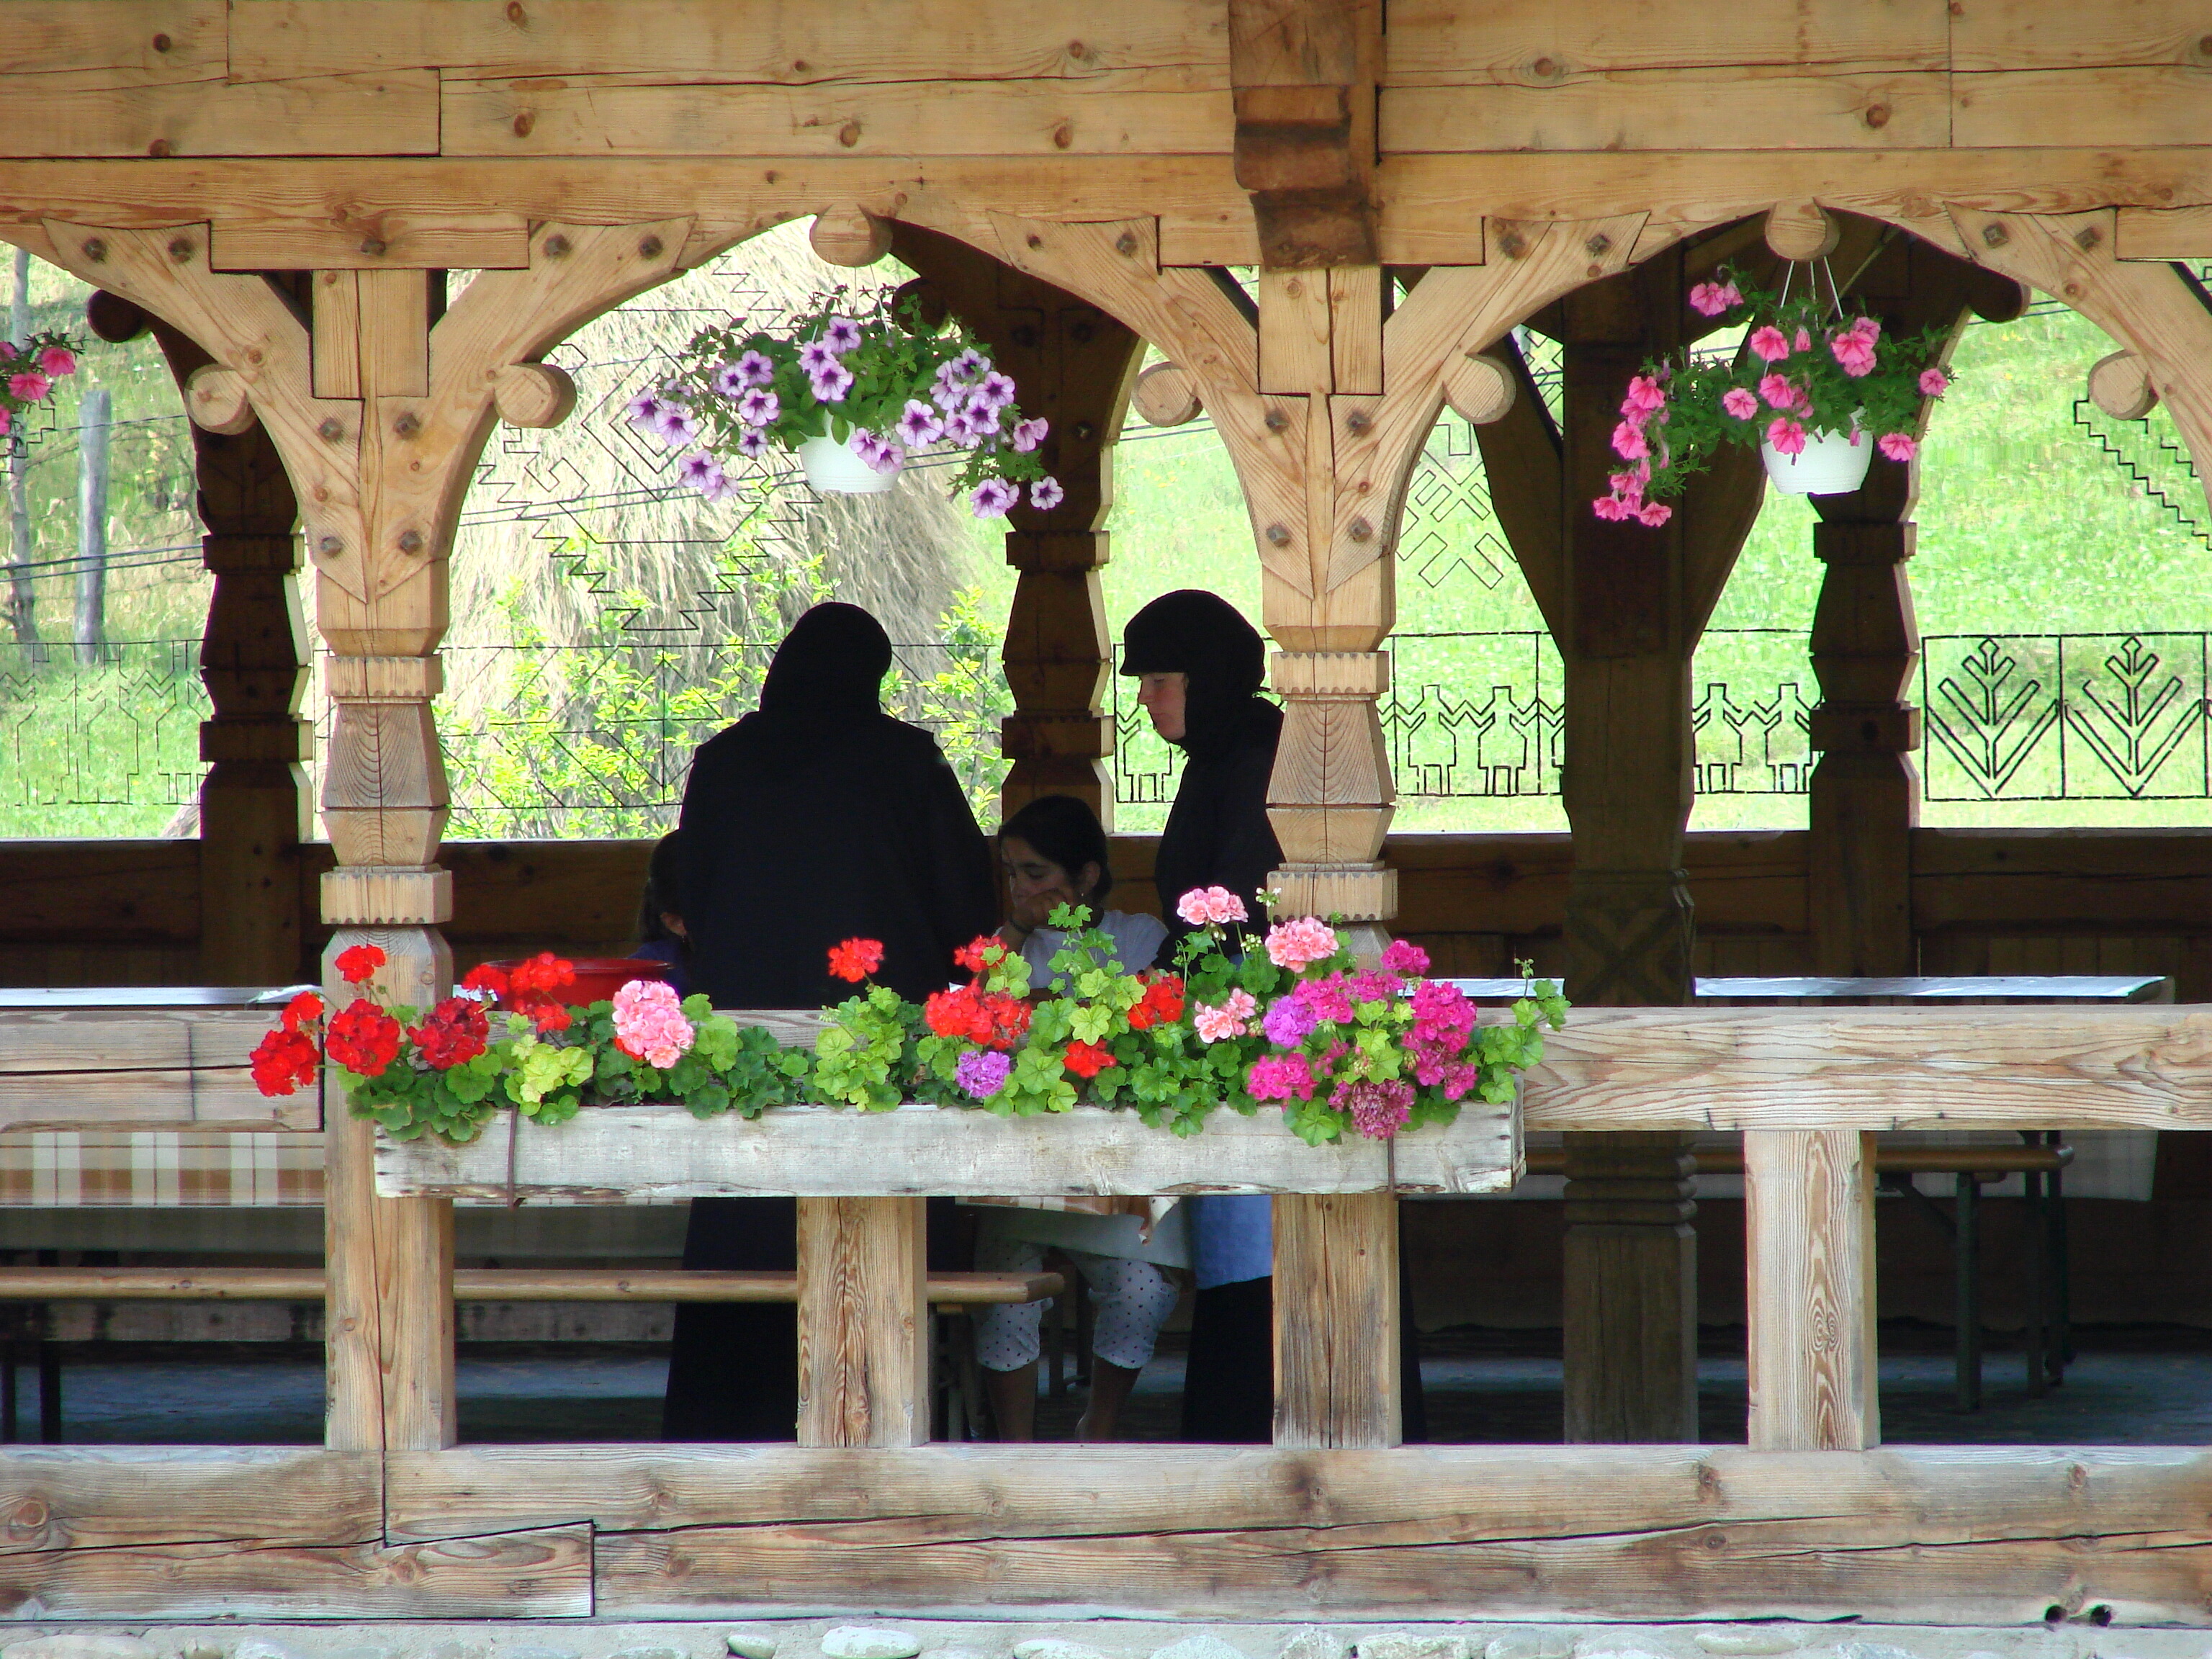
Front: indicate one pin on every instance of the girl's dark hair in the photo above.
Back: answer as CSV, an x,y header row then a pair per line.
x,y
661,897
1066,831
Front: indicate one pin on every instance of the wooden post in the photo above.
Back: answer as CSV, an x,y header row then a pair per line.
x,y
1809,1243
94,421
1628,604
1074,366
1337,1351
863,1333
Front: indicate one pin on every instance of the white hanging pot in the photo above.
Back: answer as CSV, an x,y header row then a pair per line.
x,y
1832,463
831,465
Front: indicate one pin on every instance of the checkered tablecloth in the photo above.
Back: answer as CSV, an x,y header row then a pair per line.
x,y
159,1169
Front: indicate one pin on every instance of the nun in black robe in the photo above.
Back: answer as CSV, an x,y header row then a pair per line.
x,y
1218,836
818,819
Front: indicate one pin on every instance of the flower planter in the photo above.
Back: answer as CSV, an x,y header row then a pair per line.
x,y
832,466
661,1154
1832,463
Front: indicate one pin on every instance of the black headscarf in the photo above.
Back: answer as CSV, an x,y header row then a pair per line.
x,y
819,818
1218,834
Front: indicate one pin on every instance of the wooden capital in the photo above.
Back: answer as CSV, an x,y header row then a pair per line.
x,y
386,679
1357,893
1802,230
1167,395
374,896
2120,386
533,394
1480,388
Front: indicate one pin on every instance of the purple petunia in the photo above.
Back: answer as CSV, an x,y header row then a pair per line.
x,y
1027,434
1046,494
700,470
831,385
759,407
676,427
960,427
729,381
877,450
756,369
968,364
947,396
981,1073
996,389
992,498
817,358
752,443
918,425
643,411
841,336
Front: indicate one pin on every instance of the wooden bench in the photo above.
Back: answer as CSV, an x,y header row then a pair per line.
x,y
949,1294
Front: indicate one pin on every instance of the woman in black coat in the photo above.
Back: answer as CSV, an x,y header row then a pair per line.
x,y
1199,667
816,818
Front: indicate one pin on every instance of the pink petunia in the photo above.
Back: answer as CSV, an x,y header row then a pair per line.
x,y
29,386
1654,513
1786,435
57,360
1611,507
1738,403
1804,339
992,498
1769,345
1896,445
1855,352
1628,442
1645,397
1779,392
1027,434
1934,383
1046,494
919,424
1711,299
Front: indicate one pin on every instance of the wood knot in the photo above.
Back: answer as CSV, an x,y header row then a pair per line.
x,y
95,250
849,134
1275,420
515,15
1513,245
1126,244
329,546
162,43
181,248
650,247
1995,235
411,541
2087,237
523,121
1877,116
407,425
1356,424
1083,432
331,429
1078,50
1278,537
556,246
158,150
1034,239
372,247
1545,69
1063,135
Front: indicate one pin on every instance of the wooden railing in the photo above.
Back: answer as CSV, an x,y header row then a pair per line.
x,y
1812,1518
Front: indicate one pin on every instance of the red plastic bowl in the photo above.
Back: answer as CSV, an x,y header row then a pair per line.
x,y
597,978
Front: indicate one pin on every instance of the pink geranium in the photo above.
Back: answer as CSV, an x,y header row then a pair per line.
x,y
1786,435
1300,942
1404,957
1282,1076
1215,905
1738,403
1769,345
1896,445
1216,1025
649,1023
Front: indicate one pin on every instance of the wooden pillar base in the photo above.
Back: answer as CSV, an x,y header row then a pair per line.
x,y
863,1347
1337,1351
1631,1312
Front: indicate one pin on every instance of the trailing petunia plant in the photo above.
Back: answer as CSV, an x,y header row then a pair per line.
x,y
869,374
1804,370
29,372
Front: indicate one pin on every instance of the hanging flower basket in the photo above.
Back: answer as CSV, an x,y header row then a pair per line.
x,y
855,390
29,374
1817,392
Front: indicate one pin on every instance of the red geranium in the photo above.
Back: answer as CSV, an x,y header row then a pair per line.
x,y
854,959
302,1010
364,1039
957,1014
543,974
548,1015
454,1031
979,953
1086,1059
485,976
1161,1005
357,963
284,1061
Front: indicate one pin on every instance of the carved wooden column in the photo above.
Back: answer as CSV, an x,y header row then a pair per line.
x,y
253,801
1633,601
1074,365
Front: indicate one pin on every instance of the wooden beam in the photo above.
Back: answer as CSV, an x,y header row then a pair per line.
x,y
85,1498
863,1324
1304,74
1336,1320
1808,1217
1993,1535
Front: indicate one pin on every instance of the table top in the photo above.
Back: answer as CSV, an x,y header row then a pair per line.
x,y
38,1000
1871,992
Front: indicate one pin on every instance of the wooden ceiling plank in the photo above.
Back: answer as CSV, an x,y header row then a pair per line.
x,y
156,39
2166,104
384,114
397,240
2005,37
